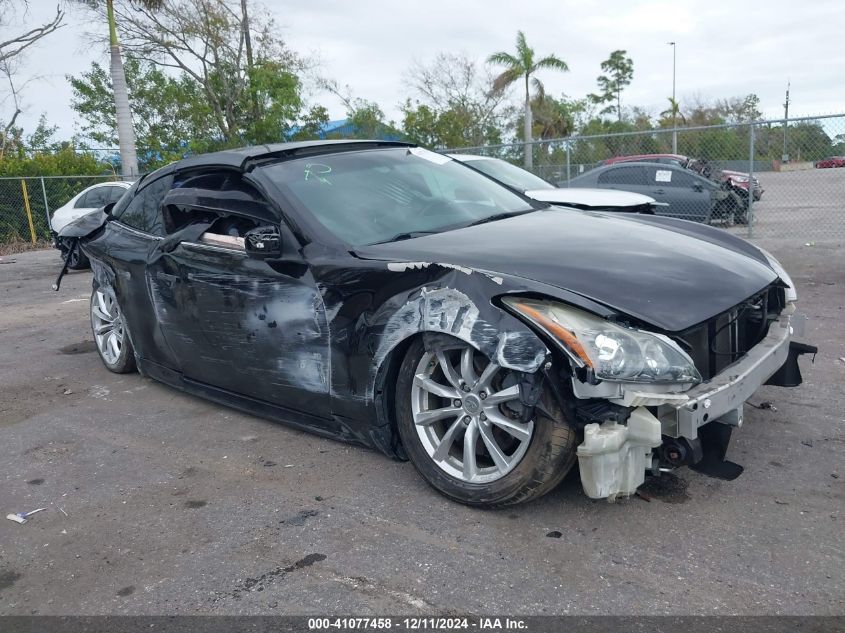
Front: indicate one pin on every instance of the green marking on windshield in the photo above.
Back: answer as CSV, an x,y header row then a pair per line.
x,y
317,171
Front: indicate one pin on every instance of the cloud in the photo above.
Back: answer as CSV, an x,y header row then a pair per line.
x,y
724,48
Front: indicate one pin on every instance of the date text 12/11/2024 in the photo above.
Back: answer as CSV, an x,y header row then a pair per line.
x,y
417,624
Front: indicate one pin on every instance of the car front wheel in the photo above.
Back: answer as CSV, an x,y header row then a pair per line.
x,y
109,328
78,260
462,422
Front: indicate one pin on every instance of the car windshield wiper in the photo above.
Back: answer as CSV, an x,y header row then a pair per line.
x,y
408,235
499,216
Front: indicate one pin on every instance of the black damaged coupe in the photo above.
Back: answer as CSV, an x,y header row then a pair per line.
x,y
383,294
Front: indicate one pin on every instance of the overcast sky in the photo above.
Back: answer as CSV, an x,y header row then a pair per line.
x,y
724,48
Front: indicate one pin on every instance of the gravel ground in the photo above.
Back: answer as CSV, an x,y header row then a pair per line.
x,y
158,502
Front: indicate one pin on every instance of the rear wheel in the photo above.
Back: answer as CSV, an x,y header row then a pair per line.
x,y
460,418
109,328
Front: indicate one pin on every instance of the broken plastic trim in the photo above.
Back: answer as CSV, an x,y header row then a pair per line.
x,y
74,246
789,374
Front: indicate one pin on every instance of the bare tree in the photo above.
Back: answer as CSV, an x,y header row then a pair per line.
x,y
11,51
455,82
6,71
17,44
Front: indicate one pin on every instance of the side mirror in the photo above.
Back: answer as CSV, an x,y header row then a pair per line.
x,y
263,242
108,208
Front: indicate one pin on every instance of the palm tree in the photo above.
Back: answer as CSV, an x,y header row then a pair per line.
x,y
123,113
125,131
523,65
674,111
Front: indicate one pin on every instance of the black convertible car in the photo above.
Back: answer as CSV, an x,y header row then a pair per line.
x,y
386,295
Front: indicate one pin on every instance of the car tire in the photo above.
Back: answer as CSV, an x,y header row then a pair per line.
x,y
529,465
108,326
78,261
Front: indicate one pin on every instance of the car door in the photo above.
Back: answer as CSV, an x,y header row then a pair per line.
x,y
250,326
687,195
624,178
136,230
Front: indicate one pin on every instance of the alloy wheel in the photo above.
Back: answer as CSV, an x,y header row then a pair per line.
x,y
107,324
466,413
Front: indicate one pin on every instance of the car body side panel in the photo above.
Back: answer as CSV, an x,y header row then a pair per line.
x,y
370,308
119,256
244,325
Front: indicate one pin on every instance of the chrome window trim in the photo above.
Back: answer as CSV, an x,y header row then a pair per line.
x,y
139,232
214,249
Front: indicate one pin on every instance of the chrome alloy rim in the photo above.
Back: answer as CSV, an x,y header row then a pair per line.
x,y
462,415
107,323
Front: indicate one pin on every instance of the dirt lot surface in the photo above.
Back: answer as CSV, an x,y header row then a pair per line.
x,y
158,502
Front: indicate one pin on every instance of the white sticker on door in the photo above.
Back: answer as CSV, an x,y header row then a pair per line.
x,y
663,175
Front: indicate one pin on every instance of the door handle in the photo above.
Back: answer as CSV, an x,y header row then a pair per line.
x,y
659,192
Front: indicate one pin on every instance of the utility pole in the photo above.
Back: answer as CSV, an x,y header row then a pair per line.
x,y
785,157
674,104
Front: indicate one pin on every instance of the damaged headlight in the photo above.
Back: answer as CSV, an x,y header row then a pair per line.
x,y
612,352
790,293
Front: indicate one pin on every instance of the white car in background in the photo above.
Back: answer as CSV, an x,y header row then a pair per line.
x,y
538,189
85,202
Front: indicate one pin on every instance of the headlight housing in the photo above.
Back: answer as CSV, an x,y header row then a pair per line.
x,y
611,351
790,293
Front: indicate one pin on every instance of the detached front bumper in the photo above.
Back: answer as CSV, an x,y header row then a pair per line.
x,y
725,393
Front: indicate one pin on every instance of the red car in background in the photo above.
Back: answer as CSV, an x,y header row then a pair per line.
x,y
736,179
830,161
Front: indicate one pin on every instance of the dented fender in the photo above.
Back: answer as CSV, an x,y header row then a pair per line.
x,y
381,307
447,310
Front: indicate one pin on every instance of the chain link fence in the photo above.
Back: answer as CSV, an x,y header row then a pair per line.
x,y
27,203
796,171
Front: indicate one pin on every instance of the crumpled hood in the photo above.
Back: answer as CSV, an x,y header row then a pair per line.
x,y
586,197
85,224
667,272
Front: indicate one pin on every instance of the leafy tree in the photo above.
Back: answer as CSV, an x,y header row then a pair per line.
x,y
245,73
522,65
312,124
557,118
50,158
366,118
452,127
551,119
619,72
171,116
421,125
808,141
